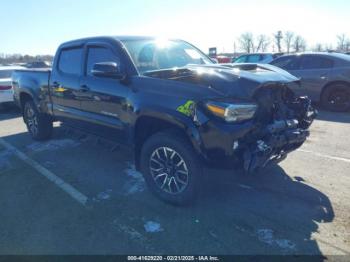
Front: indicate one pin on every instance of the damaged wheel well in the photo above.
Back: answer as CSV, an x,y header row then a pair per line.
x,y
147,126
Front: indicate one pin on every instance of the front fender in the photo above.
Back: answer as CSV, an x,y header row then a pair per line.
x,y
174,118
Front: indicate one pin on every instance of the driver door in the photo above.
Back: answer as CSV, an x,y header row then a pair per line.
x,y
104,99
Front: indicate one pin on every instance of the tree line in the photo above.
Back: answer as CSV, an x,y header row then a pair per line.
x,y
18,58
287,42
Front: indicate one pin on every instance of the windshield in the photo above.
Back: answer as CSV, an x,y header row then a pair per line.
x,y
149,55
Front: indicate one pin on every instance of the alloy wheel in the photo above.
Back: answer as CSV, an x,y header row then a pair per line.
x,y
32,120
339,98
169,170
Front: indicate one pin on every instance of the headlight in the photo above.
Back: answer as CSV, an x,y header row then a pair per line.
x,y
232,112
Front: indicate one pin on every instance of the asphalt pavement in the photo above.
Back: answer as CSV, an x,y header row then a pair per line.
x,y
77,194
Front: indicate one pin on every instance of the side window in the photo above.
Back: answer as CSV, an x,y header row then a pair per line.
x,y
70,61
315,62
241,59
98,55
253,58
286,62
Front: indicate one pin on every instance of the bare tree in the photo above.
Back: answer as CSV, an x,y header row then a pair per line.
x,y
18,58
288,40
347,45
246,41
278,39
263,43
329,47
299,44
341,44
318,47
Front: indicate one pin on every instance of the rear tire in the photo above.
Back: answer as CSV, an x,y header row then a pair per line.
x,y
336,98
171,167
39,125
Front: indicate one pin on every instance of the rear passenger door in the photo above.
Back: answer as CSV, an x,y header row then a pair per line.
x,y
64,83
314,71
104,103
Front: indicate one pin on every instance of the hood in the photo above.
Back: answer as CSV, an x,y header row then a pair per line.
x,y
240,81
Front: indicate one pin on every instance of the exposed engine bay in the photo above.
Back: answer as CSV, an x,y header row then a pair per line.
x,y
282,126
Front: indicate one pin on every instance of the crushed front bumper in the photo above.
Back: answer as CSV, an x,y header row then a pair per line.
x,y
253,145
275,146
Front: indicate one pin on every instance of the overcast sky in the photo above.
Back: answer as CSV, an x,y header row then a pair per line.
x,y
39,26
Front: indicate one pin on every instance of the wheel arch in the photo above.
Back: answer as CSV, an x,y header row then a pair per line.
x,y
148,124
342,82
25,96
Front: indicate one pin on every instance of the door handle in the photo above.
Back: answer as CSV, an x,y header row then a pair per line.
x,y
84,88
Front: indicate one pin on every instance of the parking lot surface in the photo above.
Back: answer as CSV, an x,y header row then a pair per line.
x,y
76,194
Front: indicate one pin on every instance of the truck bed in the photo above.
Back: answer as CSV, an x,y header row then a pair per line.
x,y
34,82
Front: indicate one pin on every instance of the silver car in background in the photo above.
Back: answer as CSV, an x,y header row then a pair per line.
x,y
325,77
261,58
6,92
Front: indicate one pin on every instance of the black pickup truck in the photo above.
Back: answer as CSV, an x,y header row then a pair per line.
x,y
171,104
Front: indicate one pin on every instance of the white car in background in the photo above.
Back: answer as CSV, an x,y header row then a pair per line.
x,y
6,92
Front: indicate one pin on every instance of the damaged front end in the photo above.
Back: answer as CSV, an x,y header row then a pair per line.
x,y
282,121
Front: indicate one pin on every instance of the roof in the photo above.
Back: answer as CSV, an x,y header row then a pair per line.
x,y
262,53
329,54
126,37
119,38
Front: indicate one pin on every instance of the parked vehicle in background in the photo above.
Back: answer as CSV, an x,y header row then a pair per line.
x,y
6,91
171,104
325,77
223,59
38,64
261,58
218,59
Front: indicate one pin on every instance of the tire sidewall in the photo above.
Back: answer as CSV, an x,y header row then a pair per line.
x,y
188,155
30,105
328,91
44,124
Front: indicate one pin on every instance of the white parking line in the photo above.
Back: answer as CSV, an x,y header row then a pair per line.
x,y
70,190
326,156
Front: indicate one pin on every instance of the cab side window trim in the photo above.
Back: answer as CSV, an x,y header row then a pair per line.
x,y
71,65
112,57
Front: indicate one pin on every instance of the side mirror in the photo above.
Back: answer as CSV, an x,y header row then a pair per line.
x,y
107,69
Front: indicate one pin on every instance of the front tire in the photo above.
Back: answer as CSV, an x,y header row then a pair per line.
x,y
171,167
39,125
336,98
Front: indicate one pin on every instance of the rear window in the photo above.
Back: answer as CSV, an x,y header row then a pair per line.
x,y
70,61
5,74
